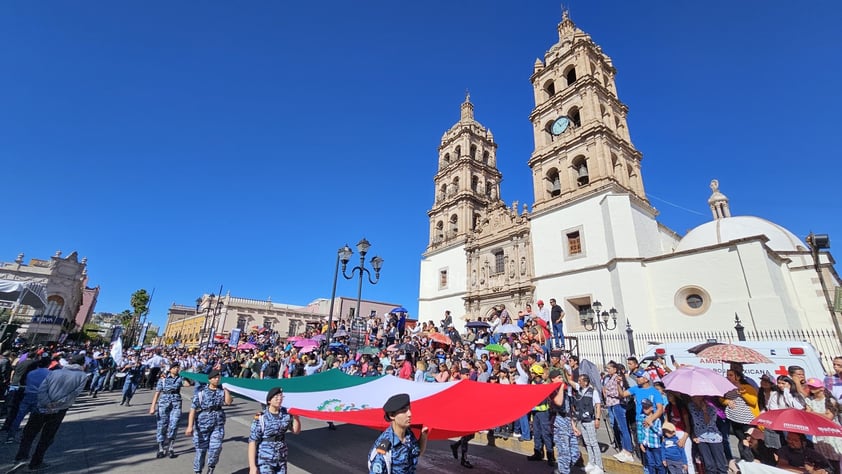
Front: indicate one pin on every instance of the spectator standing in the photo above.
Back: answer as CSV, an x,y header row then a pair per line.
x,y
588,407
56,395
675,457
557,316
649,437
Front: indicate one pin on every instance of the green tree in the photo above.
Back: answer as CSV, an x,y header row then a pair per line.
x,y
126,318
140,302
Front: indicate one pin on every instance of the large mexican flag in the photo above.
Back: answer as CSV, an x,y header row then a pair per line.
x,y
449,409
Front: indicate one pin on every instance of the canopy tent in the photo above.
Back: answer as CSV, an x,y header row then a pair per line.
x,y
30,293
450,409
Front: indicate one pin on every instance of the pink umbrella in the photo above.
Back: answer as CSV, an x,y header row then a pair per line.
x,y
697,381
306,349
319,337
305,342
294,338
246,346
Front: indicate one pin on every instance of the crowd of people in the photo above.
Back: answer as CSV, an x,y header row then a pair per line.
x,y
667,431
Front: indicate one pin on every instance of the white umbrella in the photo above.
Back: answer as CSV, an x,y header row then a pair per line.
x,y
507,328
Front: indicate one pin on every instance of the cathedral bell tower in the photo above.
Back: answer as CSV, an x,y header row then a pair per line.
x,y
466,182
582,142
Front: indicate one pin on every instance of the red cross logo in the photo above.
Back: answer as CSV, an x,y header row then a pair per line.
x,y
782,371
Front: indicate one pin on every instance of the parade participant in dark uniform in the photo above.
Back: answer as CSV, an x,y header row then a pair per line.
x,y
167,403
561,407
206,422
541,428
396,450
267,440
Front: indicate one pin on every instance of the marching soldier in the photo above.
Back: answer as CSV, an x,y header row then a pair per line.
x,y
267,440
167,403
396,450
206,422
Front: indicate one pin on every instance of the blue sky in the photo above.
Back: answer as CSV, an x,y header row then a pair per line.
x,y
184,145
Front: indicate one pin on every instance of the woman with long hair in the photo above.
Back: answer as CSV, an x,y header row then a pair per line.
x,y
821,402
787,395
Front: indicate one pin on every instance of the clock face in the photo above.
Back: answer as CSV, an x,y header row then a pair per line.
x,y
560,125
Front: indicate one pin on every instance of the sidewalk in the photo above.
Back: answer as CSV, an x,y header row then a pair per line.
x,y
526,448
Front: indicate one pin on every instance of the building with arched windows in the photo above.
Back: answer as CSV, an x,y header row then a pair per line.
x,y
69,302
591,232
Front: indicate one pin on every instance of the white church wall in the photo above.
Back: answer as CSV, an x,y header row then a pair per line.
x,y
433,299
719,276
650,240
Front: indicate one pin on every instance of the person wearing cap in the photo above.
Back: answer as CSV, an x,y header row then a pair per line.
x,y
643,391
134,374
206,422
543,312
267,449
819,403
167,404
541,435
56,395
396,450
649,439
675,457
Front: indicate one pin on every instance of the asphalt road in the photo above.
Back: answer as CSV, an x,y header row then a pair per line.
x,y
100,436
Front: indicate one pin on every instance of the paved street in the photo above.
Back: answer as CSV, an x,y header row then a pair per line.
x,y
100,436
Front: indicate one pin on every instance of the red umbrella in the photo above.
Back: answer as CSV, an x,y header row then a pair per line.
x,y
734,353
439,337
797,421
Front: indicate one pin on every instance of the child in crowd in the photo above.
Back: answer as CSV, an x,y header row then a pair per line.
x,y
675,459
649,438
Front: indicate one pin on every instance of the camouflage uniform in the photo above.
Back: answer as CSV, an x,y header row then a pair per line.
x,y
209,429
269,432
402,458
169,407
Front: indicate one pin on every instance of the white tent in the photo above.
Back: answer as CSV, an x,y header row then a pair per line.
x,y
28,293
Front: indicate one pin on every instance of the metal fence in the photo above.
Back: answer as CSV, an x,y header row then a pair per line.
x,y
618,347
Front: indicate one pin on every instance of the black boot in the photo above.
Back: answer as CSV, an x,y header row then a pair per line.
x,y
551,458
172,450
455,449
538,455
466,463
161,451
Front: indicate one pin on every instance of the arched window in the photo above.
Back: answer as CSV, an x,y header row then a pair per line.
x,y
477,218
474,183
439,231
549,88
55,305
455,186
548,129
570,75
473,152
485,157
553,183
454,224
442,192
580,171
573,115
458,152
488,186
615,165
446,159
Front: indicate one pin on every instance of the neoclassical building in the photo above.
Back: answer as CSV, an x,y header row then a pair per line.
x,y
592,234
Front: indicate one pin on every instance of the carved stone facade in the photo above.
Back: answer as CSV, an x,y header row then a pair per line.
x,y
64,279
591,146
500,256
592,235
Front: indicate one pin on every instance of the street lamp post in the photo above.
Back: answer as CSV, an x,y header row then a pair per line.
x,y
592,319
211,312
817,243
343,255
376,263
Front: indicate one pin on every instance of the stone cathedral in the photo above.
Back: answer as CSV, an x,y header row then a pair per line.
x,y
591,233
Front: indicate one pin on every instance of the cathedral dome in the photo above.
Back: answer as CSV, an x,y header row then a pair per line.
x,y
734,228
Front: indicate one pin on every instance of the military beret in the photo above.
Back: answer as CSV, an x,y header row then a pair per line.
x,y
396,403
272,392
555,373
213,373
